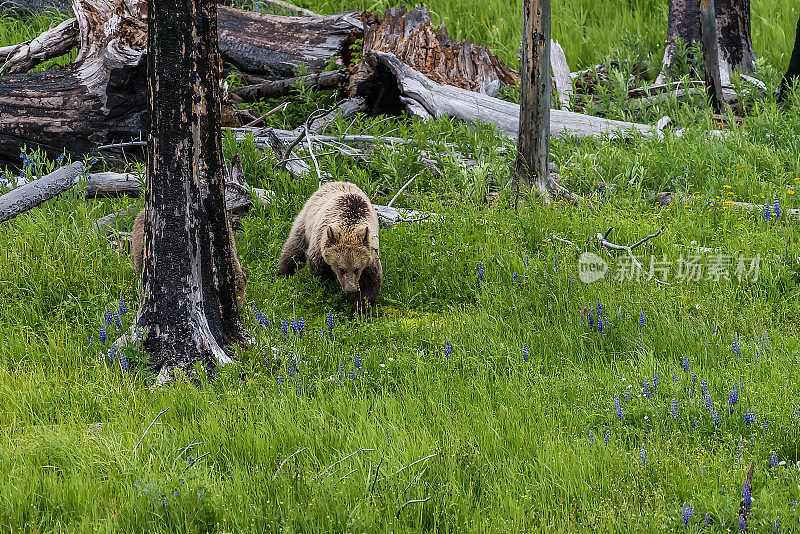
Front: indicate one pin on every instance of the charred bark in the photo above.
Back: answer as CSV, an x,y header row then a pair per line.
x,y
735,46
101,98
189,308
292,41
793,72
98,98
711,66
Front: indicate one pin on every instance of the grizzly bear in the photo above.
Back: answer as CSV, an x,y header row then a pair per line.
x,y
137,257
336,233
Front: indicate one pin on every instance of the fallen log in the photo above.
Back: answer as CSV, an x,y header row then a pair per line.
x,y
34,193
101,98
273,89
411,37
52,43
278,45
29,7
424,98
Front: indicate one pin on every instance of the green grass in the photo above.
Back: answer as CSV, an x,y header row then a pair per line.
x,y
511,436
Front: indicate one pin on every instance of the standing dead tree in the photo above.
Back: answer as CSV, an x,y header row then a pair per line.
x,y
188,311
735,46
793,72
531,168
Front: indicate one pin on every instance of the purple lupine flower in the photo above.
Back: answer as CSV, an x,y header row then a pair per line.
x,y
608,436
641,318
525,353
795,414
599,308
480,271
357,362
749,417
448,350
627,394
112,354
766,425
773,461
103,334
123,361
656,381
685,364
123,309
776,208
109,317
674,378
117,320
688,511
284,327
591,438
707,518
673,409
694,377
733,398
776,524
694,423
330,322
515,277
643,454
737,348
646,388
767,212
590,319
704,387
746,497
742,524
617,407
715,416
301,325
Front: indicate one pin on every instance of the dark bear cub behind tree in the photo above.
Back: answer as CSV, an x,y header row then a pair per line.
x,y
336,233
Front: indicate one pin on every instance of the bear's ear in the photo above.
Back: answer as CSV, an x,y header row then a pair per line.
x,y
332,236
366,236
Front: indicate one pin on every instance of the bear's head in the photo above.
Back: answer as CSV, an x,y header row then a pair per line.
x,y
348,253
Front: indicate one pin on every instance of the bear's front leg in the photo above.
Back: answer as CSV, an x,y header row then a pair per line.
x,y
369,287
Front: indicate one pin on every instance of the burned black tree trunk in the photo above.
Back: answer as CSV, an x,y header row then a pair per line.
x,y
793,72
189,309
735,46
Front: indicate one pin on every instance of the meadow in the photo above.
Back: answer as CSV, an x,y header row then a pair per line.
x,y
490,382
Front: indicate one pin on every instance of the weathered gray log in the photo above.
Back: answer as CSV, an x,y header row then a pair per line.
x,y
348,108
561,74
321,80
33,193
424,98
47,45
711,65
114,184
278,45
28,7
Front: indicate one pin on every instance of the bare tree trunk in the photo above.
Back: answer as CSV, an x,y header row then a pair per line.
x,y
189,307
711,65
533,148
735,46
793,72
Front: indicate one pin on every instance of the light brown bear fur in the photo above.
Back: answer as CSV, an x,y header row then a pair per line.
x,y
336,233
137,258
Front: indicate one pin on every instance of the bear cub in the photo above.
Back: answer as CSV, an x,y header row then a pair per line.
x,y
336,233
137,258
